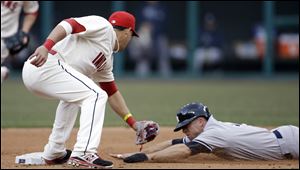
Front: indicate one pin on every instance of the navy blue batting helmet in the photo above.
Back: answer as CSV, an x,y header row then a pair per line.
x,y
190,112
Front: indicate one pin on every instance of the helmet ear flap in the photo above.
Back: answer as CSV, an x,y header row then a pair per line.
x,y
207,112
206,109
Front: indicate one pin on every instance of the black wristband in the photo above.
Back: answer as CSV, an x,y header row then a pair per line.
x,y
138,157
196,147
177,141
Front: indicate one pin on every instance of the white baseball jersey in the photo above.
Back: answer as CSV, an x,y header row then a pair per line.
x,y
94,48
82,58
10,15
230,140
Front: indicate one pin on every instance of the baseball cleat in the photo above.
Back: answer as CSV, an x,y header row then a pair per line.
x,y
60,160
90,160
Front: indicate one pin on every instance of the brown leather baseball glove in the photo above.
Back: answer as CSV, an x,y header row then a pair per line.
x,y
146,131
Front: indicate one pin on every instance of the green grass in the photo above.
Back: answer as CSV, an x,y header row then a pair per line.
x,y
253,101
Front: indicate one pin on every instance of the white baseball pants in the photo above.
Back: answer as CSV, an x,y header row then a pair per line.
x,y
289,143
56,79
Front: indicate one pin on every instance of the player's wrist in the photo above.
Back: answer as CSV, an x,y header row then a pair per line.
x,y
49,44
129,119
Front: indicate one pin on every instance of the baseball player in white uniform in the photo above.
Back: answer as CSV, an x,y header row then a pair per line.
x,y
10,16
75,66
205,134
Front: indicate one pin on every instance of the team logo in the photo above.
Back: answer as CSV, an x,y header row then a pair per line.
x,y
113,21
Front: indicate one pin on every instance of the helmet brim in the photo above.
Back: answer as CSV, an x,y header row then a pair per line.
x,y
182,124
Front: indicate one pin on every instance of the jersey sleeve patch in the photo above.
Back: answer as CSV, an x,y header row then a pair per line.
x,y
109,87
76,27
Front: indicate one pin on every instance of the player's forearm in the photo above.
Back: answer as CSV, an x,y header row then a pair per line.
x,y
29,20
179,151
118,104
57,34
158,147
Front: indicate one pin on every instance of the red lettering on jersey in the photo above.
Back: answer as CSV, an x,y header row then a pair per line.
x,y
76,27
10,4
99,61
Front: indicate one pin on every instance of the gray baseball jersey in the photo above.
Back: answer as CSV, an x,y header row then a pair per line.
x,y
241,141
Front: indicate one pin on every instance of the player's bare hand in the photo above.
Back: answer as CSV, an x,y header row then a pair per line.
x,y
39,57
121,156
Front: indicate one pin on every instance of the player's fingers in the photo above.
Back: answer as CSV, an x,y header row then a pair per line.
x,y
40,62
32,55
119,156
37,60
33,60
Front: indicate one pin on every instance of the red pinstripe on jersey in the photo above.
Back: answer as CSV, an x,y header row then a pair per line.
x,y
99,61
76,27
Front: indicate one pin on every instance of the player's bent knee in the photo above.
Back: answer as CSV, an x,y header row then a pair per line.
x,y
102,95
96,94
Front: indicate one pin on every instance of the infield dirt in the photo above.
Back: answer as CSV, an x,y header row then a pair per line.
x,y
17,141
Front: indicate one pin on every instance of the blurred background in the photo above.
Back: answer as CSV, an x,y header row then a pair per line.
x,y
240,58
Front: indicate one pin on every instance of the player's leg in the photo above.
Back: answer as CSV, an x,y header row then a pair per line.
x,y
4,55
4,73
91,123
164,61
76,87
294,141
290,143
214,55
65,118
59,80
92,100
4,51
199,58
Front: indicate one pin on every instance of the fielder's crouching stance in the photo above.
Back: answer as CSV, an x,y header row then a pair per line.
x,y
75,66
204,134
